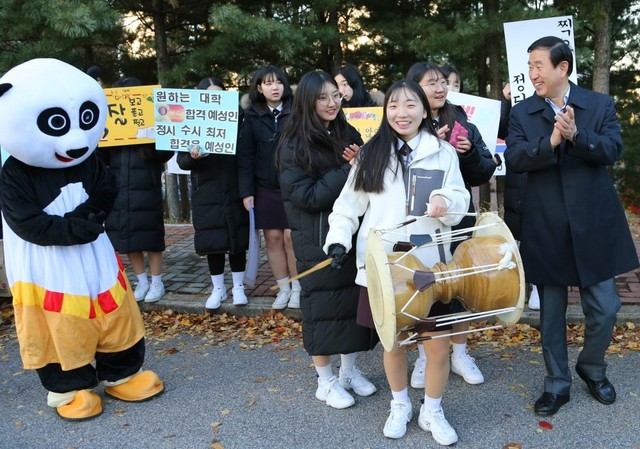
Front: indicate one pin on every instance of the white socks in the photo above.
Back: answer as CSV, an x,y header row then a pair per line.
x,y
156,279
56,400
142,278
295,285
238,279
284,285
432,403
324,372
401,396
218,281
347,361
459,349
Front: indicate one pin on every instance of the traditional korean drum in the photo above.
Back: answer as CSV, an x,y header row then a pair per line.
x,y
486,274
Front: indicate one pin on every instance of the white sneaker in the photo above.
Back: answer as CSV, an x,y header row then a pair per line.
x,y
434,421
294,299
464,365
282,298
399,415
239,297
534,299
355,380
331,392
417,375
141,291
156,291
217,296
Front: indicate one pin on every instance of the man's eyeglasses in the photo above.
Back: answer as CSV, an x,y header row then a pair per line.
x,y
323,99
434,85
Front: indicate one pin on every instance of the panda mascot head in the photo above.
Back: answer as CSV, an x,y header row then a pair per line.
x,y
53,115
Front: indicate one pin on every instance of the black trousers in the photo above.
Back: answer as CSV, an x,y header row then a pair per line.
x,y
110,366
600,304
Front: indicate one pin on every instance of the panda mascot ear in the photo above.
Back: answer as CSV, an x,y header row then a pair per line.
x,y
5,87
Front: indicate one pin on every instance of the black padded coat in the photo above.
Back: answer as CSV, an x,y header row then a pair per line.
x,y
219,218
259,133
329,297
136,221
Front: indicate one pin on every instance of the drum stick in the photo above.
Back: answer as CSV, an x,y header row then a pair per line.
x,y
314,268
466,214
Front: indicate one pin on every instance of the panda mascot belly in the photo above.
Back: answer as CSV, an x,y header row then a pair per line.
x,y
72,300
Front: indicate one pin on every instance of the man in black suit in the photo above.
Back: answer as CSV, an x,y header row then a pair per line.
x,y
574,230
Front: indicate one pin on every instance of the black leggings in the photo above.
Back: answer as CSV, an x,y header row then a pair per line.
x,y
237,262
110,366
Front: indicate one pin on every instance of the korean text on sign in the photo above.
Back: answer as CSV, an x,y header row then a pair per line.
x,y
186,118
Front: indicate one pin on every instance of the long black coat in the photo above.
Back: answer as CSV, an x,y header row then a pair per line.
x,y
574,230
259,133
220,220
136,221
514,182
329,297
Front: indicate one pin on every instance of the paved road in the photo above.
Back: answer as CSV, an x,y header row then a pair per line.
x,y
264,399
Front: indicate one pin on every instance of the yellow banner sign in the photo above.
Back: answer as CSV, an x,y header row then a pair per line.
x,y
365,120
131,116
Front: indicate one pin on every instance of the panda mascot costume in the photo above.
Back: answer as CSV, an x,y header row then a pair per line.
x,y
72,300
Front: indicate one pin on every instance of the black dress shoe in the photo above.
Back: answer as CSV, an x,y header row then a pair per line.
x,y
549,403
602,390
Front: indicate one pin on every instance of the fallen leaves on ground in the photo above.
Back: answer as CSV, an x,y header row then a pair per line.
x,y
514,445
251,332
219,329
545,425
625,338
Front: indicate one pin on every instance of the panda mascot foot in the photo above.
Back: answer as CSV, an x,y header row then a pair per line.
x,y
141,387
85,405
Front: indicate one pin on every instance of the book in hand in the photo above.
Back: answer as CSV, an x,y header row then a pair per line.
x,y
421,183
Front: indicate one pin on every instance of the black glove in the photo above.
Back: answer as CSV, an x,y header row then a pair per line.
x,y
339,255
99,217
86,213
86,230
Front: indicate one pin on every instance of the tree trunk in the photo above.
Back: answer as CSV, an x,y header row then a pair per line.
x,y
494,78
335,49
602,49
602,46
164,64
185,212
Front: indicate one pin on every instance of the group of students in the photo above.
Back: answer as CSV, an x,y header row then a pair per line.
x,y
315,193
316,190
334,193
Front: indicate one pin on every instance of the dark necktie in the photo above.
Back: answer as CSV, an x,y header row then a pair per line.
x,y
405,149
276,112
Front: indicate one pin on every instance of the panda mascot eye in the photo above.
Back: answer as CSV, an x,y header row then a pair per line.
x,y
89,115
54,122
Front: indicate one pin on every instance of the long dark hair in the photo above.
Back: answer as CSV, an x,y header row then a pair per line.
x,y
373,158
210,81
269,72
360,97
315,147
447,113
